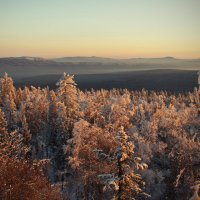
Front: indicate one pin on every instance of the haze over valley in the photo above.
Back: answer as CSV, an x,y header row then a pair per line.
x,y
165,73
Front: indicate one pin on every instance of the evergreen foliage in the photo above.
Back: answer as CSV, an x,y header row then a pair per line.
x,y
100,145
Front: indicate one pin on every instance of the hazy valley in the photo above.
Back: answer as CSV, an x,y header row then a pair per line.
x,y
167,73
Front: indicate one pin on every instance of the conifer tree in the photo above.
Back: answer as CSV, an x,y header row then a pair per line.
x,y
24,131
2,123
67,94
126,183
7,88
59,135
130,183
10,111
67,114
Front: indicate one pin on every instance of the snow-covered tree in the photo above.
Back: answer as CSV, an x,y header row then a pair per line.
x,y
91,155
126,183
9,108
7,88
67,93
23,129
3,124
85,165
58,135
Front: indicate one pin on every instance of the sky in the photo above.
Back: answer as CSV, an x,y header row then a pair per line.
x,y
106,28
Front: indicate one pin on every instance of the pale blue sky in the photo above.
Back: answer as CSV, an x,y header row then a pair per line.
x,y
110,28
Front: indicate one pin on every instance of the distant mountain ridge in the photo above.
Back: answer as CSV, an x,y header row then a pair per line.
x,y
33,66
103,59
83,59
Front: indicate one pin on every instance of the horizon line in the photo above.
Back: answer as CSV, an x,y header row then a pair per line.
x,y
92,56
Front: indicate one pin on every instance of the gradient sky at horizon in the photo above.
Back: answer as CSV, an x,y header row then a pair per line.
x,y
109,28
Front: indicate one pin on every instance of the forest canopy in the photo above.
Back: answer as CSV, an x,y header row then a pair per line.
x,y
102,145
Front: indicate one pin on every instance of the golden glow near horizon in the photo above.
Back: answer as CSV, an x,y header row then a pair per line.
x,y
114,28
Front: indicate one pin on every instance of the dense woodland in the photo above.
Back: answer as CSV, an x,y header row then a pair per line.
x,y
98,145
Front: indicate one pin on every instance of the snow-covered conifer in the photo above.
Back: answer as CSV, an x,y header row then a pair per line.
x,y
10,111
130,183
67,93
7,88
3,123
126,182
68,101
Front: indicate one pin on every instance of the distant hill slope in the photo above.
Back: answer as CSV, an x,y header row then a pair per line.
x,y
86,59
170,80
94,59
21,67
